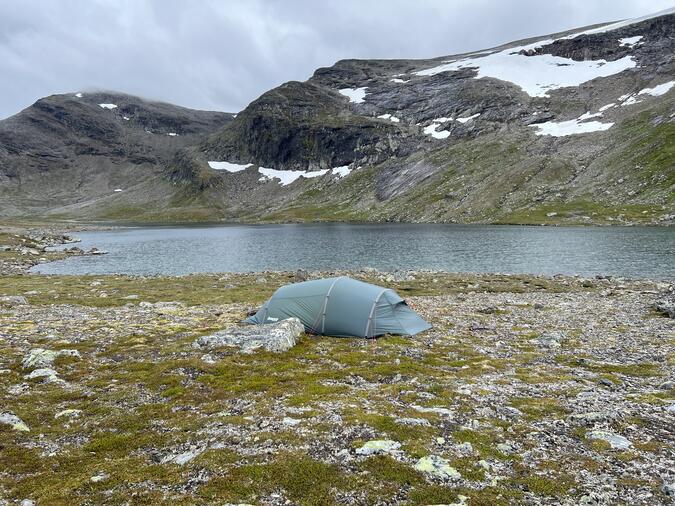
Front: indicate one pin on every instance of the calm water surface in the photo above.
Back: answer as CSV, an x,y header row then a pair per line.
x,y
632,252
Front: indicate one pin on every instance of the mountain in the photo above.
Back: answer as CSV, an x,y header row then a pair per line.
x,y
78,154
575,127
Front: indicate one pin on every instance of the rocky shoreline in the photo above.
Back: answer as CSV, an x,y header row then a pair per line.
x,y
528,390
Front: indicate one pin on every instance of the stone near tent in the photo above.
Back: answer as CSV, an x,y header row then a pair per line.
x,y
276,337
342,307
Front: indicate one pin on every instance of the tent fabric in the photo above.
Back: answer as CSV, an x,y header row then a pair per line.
x,y
342,307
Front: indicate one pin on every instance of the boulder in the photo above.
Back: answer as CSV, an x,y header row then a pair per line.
x,y
276,337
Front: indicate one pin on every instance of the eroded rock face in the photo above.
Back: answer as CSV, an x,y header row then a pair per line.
x,y
276,337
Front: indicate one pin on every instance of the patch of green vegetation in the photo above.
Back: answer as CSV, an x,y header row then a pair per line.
x,y
555,486
305,481
484,442
640,370
537,408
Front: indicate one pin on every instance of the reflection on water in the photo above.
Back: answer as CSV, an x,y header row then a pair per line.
x,y
619,251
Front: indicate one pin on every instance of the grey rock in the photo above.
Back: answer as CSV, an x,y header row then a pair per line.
x,y
413,421
592,417
276,337
184,457
549,341
669,489
13,300
510,412
9,418
666,304
616,441
667,385
47,374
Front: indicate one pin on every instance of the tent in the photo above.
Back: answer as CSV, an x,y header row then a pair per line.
x,y
342,307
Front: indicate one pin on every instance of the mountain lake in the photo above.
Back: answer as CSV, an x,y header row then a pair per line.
x,y
637,252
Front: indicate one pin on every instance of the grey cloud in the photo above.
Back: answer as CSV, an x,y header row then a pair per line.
x,y
218,54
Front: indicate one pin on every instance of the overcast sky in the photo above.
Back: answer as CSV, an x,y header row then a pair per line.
x,y
221,54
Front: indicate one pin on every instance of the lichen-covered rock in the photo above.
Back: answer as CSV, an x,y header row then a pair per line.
x,y
438,467
47,374
39,357
276,337
14,421
616,441
68,413
378,446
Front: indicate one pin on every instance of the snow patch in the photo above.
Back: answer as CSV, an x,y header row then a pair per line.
x,y
571,127
656,91
536,75
286,177
464,120
172,134
659,90
390,117
433,128
588,115
228,166
399,80
125,118
630,41
605,107
117,190
78,95
108,106
341,171
355,95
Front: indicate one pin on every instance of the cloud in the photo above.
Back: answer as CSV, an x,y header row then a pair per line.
x,y
217,54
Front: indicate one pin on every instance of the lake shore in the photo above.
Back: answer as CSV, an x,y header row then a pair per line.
x,y
531,389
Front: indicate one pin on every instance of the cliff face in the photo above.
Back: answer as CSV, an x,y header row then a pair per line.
x,y
574,127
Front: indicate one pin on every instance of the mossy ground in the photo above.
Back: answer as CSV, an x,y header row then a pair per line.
x,y
146,394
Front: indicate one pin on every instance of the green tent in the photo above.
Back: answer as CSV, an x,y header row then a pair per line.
x,y
342,307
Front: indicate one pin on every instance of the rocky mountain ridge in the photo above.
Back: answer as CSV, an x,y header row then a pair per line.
x,y
576,127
